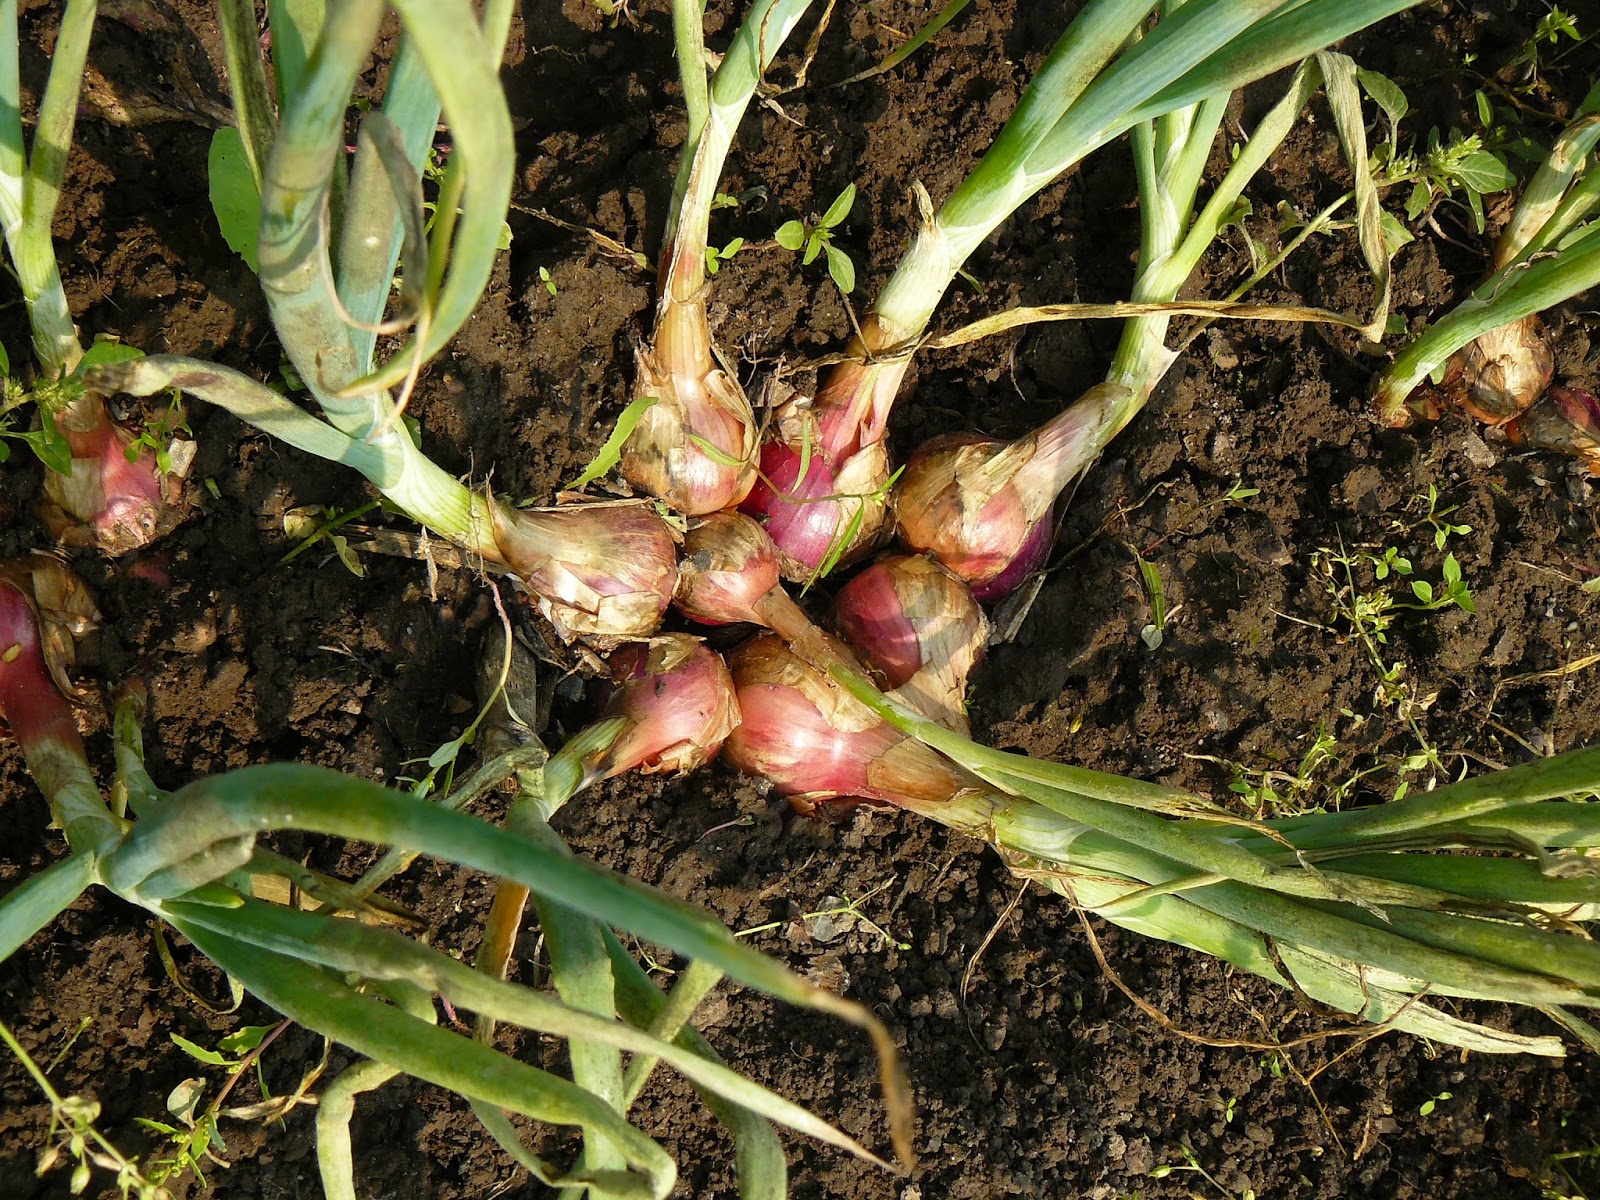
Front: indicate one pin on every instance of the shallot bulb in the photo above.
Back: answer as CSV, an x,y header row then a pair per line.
x,y
1566,420
680,698
695,447
824,475
917,625
110,501
984,508
603,572
729,566
1504,371
730,575
45,610
817,744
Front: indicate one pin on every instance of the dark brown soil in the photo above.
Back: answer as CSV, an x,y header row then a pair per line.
x,y
1034,1075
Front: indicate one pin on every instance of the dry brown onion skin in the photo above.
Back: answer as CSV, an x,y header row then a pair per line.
x,y
1504,371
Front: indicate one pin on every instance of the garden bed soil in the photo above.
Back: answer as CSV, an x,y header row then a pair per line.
x,y
1034,1073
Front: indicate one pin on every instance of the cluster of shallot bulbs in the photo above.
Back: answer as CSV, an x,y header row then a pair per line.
x,y
1506,379
906,621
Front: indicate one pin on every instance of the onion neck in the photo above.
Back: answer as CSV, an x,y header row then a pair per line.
x,y
1070,442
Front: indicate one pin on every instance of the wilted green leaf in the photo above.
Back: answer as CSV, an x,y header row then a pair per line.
x,y
611,453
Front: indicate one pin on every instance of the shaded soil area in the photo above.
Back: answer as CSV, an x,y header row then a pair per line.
x,y
1034,1073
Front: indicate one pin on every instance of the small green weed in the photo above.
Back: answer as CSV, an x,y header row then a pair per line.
x,y
811,238
1433,1102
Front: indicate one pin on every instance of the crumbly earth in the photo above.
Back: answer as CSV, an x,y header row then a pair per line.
x,y
1034,1073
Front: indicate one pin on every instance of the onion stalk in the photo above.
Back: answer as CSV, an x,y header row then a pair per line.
x,y
1099,81
1330,906
1489,354
695,445
30,185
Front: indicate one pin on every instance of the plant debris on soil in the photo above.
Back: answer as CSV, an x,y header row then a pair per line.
x,y
1252,484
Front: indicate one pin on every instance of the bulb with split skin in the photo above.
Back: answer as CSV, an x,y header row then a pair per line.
x,y
601,572
985,509
920,628
680,699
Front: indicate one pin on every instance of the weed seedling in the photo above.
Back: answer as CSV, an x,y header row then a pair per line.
x,y
1155,594
811,238
1431,1103
715,258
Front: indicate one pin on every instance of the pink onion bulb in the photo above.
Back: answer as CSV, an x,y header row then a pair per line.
x,y
108,501
680,697
816,744
984,509
729,566
729,575
603,572
1566,420
835,507
44,611
920,628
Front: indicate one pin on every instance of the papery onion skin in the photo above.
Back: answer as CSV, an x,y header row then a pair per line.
x,y
681,699
1565,420
729,564
919,626
816,744
1504,371
602,572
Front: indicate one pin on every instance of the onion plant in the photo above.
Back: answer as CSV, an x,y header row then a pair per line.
x,y
104,487
192,859
695,441
1385,913
1489,353
984,508
824,477
331,236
